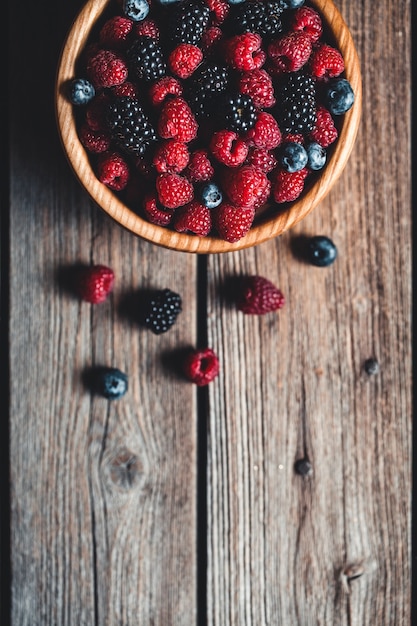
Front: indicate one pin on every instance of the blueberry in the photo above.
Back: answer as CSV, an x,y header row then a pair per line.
x,y
110,382
292,4
165,2
211,195
293,157
81,91
339,96
235,1
316,156
137,10
320,251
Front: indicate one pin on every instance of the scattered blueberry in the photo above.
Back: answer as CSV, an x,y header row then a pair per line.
x,y
303,467
339,96
81,91
211,195
371,366
320,251
137,10
293,157
316,156
235,1
109,382
165,2
292,4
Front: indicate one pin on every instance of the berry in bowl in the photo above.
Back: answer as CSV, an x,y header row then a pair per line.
x,y
206,125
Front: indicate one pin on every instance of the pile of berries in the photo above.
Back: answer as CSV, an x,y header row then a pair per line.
x,y
201,113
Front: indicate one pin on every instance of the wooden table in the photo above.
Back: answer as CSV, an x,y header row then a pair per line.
x,y
174,506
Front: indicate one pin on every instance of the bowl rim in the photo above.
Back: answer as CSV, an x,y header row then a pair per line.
x,y
107,200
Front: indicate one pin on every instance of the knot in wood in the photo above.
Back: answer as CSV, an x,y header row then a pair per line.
x,y
124,469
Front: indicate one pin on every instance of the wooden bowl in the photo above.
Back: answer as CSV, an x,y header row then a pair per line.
x,y
272,225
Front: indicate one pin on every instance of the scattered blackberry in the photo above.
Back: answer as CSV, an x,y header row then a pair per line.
x,y
237,112
146,60
203,88
129,126
189,21
296,108
161,310
262,18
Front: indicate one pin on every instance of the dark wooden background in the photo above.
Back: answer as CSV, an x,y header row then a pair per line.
x,y
173,507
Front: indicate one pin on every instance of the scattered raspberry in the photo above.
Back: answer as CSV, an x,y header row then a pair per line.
x,y
265,133
96,112
173,190
147,28
243,52
324,132
228,148
156,214
177,121
116,32
94,283
184,60
193,217
220,10
232,223
107,69
288,186
211,38
306,20
290,52
201,366
127,89
171,156
94,141
259,296
199,167
258,85
113,171
262,159
246,186
166,86
326,62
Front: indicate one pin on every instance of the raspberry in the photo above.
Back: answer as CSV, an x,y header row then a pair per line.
x,y
154,213
193,217
259,296
166,86
324,132
94,283
171,156
177,121
288,186
293,137
243,52
228,148
246,186
116,32
220,8
113,171
199,167
94,141
160,310
232,223
127,89
173,190
96,112
265,133
262,159
211,38
290,52
306,20
201,366
147,28
184,60
326,62
108,382
258,85
106,69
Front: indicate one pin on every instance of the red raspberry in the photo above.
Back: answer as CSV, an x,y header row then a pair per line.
x,y
324,132
164,87
326,62
116,32
199,167
113,171
127,89
211,38
147,28
220,8
262,159
173,190
201,366
290,52
246,186
184,60
243,52
232,223
259,296
293,137
154,213
265,133
94,283
288,186
94,141
258,85
193,217
228,148
177,121
307,20
171,156
107,69
96,112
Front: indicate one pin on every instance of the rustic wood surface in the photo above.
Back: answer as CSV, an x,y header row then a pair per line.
x,y
172,507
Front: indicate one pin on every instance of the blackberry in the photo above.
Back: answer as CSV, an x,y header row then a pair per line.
x,y
129,126
262,18
237,112
203,88
296,104
146,60
161,310
189,21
